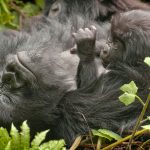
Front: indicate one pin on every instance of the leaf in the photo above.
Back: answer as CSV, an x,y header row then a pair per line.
x,y
53,145
25,136
100,134
15,141
129,88
4,6
30,9
8,147
39,138
40,3
127,99
146,127
110,133
4,138
148,117
147,60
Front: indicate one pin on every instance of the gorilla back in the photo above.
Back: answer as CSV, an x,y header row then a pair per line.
x,y
36,84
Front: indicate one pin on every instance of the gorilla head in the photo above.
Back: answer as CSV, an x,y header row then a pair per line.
x,y
129,41
32,70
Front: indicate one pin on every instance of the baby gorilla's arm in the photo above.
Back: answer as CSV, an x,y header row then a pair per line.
x,y
85,41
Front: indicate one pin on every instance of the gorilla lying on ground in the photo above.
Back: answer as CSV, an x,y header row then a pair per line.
x,y
36,84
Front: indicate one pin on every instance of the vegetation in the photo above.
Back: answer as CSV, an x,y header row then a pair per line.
x,y
128,97
21,140
14,12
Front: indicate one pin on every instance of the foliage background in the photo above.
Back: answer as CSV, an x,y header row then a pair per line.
x,y
14,12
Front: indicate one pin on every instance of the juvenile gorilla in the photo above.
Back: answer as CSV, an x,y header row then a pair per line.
x,y
36,84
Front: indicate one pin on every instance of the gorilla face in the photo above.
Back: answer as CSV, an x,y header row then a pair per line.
x,y
47,67
129,37
35,75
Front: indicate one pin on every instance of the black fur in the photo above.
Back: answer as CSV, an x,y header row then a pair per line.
x,y
99,10
37,86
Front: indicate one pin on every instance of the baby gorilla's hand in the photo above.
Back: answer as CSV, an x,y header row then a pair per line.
x,y
85,40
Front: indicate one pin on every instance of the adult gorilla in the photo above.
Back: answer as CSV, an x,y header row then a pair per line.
x,y
36,84
98,10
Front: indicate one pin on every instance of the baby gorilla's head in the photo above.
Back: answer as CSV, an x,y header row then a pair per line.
x,y
130,38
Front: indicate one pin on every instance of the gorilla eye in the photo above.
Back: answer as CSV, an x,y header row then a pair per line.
x,y
116,43
55,9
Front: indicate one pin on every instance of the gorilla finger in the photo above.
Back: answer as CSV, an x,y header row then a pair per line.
x,y
74,35
81,31
88,32
93,29
73,50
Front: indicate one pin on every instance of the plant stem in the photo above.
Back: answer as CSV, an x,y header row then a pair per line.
x,y
99,142
140,100
143,121
124,139
76,143
139,120
145,143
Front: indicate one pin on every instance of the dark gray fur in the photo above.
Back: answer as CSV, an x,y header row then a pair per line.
x,y
39,87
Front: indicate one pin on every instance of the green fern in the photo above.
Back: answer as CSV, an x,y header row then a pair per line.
x,y
21,140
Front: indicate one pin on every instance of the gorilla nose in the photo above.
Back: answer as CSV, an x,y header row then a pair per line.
x,y
27,65
15,74
104,52
24,59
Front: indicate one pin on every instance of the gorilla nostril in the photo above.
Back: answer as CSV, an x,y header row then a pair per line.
x,y
11,63
10,68
105,52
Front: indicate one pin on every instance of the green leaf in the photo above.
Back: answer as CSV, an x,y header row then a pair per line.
x,y
4,138
15,141
30,9
4,6
147,60
146,127
127,99
110,133
25,136
8,147
148,117
53,145
130,88
40,3
39,139
100,134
